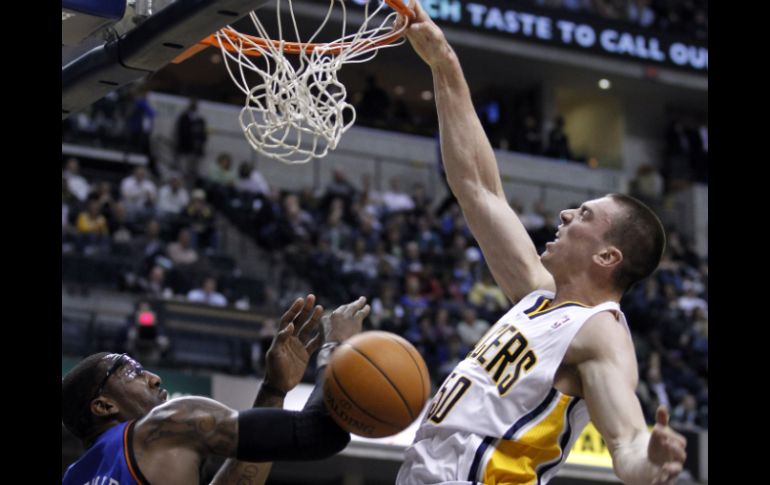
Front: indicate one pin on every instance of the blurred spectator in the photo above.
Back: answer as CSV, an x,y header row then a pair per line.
x,y
685,414
221,172
150,246
207,294
648,185
145,341
324,272
154,284
367,208
679,153
412,301
425,338
141,118
199,216
412,262
432,288
337,234
259,349
190,138
172,198
422,201
104,196
138,193
297,227
558,142
529,138
640,13
471,329
374,103
388,265
690,301
428,240
386,311
487,297
182,252
338,187
444,323
359,267
395,199
370,229
251,181
533,218
680,249
655,382
119,227
78,186
455,353
91,222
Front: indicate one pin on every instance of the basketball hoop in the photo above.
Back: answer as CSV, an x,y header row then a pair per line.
x,y
295,112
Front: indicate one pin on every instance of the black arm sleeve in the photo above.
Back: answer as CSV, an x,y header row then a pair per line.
x,y
275,434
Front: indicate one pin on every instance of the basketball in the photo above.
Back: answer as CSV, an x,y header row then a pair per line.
x,y
376,384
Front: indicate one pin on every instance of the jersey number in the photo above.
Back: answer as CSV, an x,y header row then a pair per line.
x,y
448,396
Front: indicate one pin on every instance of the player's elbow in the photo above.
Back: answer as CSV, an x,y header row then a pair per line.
x,y
468,187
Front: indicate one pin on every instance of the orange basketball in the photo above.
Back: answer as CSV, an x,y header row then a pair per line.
x,y
376,384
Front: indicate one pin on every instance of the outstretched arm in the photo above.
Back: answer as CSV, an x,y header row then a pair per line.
x,y
472,170
287,360
608,375
200,427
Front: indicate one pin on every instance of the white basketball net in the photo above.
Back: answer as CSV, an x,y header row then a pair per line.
x,y
297,113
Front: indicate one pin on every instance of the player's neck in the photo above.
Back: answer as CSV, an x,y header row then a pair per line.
x,y
587,293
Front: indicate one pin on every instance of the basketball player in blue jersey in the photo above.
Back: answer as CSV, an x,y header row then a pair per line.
x,y
133,435
510,412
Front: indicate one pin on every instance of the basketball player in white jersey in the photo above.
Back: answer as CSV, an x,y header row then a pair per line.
x,y
510,412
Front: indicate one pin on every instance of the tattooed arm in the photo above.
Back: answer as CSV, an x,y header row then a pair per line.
x,y
199,424
244,472
175,438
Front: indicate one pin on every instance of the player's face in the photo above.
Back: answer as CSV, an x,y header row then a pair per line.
x,y
136,389
581,233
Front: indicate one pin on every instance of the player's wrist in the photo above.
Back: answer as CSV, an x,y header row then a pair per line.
x,y
269,388
325,353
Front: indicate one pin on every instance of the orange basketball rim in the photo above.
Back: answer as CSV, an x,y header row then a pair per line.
x,y
331,48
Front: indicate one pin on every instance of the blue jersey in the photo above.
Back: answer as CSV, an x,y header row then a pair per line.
x,y
109,461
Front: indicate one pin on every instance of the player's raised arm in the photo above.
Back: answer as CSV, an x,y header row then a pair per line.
x,y
472,170
287,360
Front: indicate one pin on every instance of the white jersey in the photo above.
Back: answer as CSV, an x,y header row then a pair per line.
x,y
497,419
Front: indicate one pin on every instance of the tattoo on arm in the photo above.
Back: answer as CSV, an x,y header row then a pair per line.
x,y
204,424
234,472
242,473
